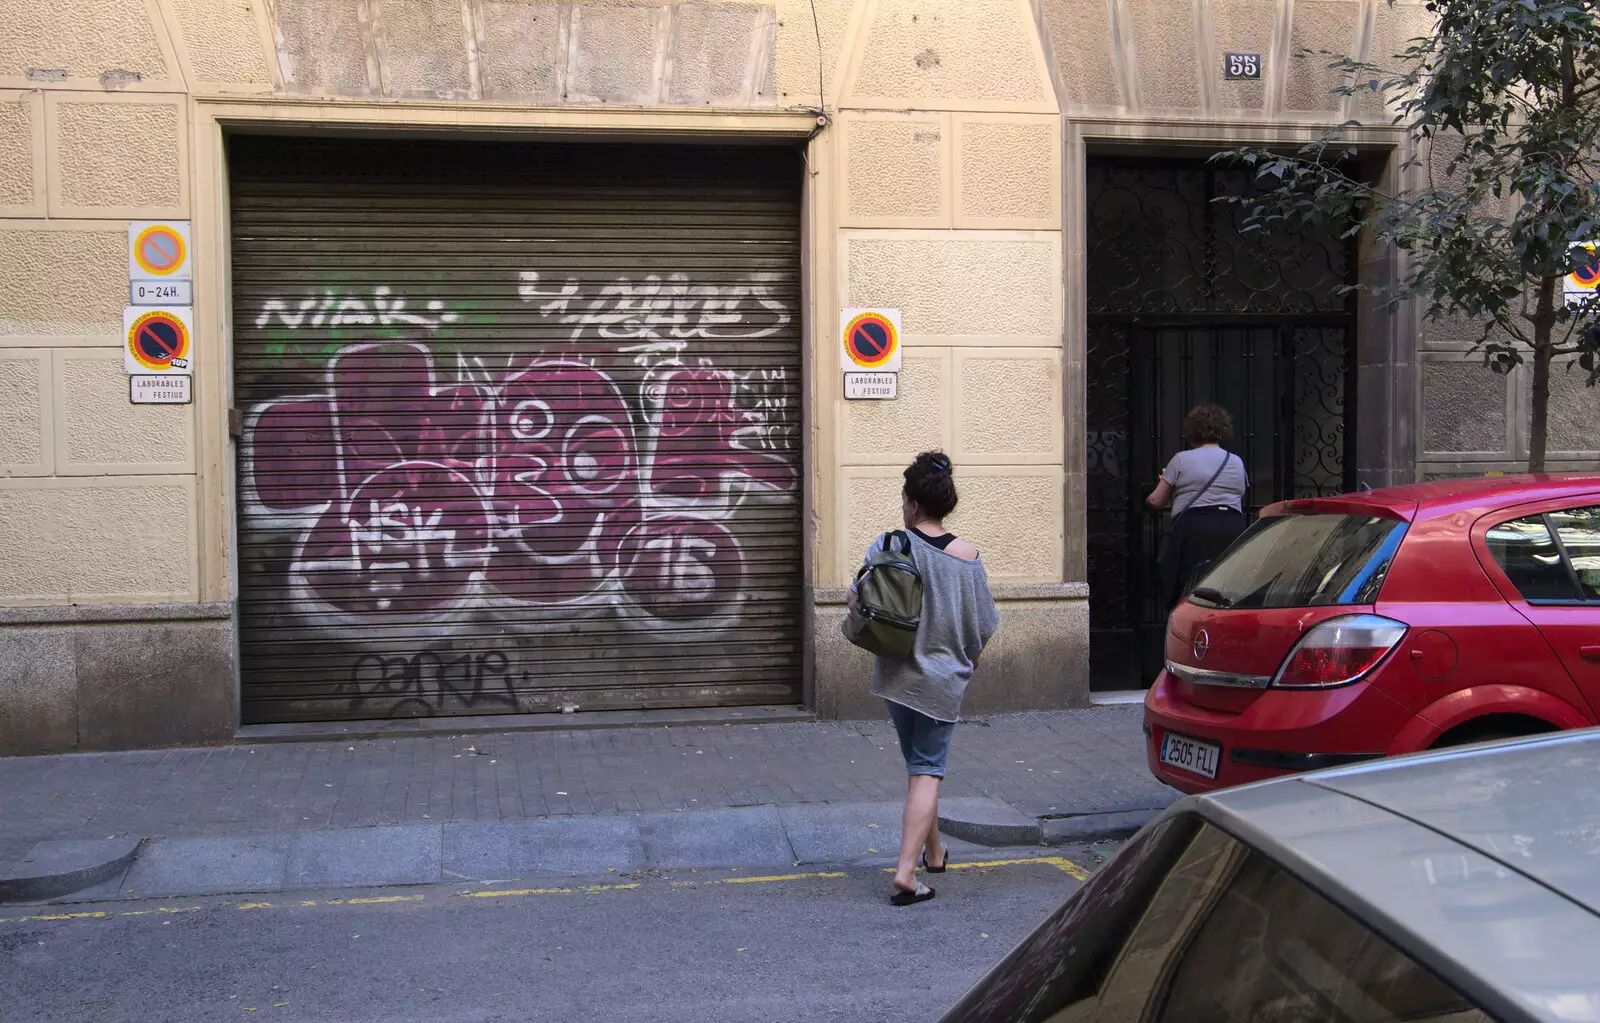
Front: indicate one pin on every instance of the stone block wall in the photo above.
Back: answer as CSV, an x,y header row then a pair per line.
x,y
107,678
1036,661
1163,58
1475,420
99,505
946,181
947,147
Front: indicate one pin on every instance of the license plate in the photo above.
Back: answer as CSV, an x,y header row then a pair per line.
x,y
1190,754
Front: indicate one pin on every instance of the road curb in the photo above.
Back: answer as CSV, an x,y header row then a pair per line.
x,y
57,868
435,852
1096,827
988,822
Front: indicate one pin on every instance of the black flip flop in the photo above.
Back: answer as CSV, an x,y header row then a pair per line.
x,y
904,898
941,867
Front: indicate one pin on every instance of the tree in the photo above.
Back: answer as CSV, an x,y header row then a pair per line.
x,y
1501,107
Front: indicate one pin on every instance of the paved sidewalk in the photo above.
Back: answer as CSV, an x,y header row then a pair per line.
x,y
1048,764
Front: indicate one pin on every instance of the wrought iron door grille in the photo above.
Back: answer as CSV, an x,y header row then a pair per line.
x,y
1160,243
1184,308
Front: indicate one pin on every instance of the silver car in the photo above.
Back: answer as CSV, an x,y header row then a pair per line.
x,y
1452,887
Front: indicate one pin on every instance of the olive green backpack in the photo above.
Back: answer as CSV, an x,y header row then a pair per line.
x,y
888,604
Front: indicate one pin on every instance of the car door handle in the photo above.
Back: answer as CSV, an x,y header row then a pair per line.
x,y
1589,653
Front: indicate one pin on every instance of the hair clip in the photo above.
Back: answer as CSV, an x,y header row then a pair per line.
x,y
941,462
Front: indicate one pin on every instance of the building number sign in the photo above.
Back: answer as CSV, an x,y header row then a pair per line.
x,y
1236,66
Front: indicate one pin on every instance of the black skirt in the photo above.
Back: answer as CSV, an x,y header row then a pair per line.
x,y
1199,536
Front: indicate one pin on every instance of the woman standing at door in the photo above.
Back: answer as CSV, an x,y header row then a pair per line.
x,y
1206,487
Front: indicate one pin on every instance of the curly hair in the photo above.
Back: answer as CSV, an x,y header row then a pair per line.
x,y
1207,424
929,483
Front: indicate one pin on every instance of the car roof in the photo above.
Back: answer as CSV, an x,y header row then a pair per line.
x,y
1443,497
1531,802
1482,861
1512,489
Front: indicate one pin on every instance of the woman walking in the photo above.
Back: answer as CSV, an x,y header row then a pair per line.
x,y
923,693
1206,487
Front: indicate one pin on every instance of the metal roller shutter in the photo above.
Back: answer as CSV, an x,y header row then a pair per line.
x,y
521,426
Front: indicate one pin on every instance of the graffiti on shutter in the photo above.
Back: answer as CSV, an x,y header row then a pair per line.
x,y
448,489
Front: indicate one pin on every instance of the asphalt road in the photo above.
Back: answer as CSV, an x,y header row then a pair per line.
x,y
664,946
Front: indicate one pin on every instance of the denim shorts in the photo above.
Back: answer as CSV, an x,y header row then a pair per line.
x,y
924,742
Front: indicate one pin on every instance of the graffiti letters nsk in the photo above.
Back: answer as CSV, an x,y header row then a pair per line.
x,y
465,496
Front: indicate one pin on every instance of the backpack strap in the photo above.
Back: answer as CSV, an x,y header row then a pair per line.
x,y
905,541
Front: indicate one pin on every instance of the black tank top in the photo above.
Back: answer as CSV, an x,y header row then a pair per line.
x,y
941,541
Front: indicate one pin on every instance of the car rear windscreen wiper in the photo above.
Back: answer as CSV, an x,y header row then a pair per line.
x,y
1211,596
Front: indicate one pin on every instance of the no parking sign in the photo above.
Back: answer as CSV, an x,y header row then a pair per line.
x,y
158,250
871,339
156,340
1584,281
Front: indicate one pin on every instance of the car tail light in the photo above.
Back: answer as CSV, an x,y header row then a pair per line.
x,y
1339,651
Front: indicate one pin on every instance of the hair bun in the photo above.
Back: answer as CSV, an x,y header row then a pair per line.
x,y
935,460
929,483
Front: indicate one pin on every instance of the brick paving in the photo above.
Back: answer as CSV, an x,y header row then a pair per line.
x,y
1063,762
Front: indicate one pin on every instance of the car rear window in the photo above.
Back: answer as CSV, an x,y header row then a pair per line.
x,y
1304,561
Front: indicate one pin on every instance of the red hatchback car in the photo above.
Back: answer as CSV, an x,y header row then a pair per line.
x,y
1345,628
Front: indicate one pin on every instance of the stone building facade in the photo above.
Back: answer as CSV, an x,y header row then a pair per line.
x,y
409,209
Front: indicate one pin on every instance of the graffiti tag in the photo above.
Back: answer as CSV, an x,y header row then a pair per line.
x,y
333,310
476,496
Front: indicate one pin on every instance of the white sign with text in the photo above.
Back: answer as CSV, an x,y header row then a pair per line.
x,y
861,386
165,389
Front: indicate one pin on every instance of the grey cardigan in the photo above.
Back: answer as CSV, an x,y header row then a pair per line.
x,y
958,617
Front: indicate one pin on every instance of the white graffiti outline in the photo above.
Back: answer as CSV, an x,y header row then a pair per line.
x,y
352,311
658,309
477,596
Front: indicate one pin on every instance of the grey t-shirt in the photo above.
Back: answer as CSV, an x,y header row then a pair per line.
x,y
958,617
1189,470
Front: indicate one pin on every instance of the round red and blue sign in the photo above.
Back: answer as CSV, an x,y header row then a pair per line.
x,y
871,340
158,340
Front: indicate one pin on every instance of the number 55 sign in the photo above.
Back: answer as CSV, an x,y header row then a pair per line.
x,y
1237,66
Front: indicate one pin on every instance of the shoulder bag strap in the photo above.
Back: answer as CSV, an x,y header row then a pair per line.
x,y
1227,456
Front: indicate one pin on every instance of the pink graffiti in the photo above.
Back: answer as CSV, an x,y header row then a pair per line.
x,y
534,486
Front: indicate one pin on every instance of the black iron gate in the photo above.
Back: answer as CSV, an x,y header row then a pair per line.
x,y
1184,308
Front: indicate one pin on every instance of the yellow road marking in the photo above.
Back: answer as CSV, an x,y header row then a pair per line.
x,y
775,877
757,880
161,909
66,916
588,889
1060,863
